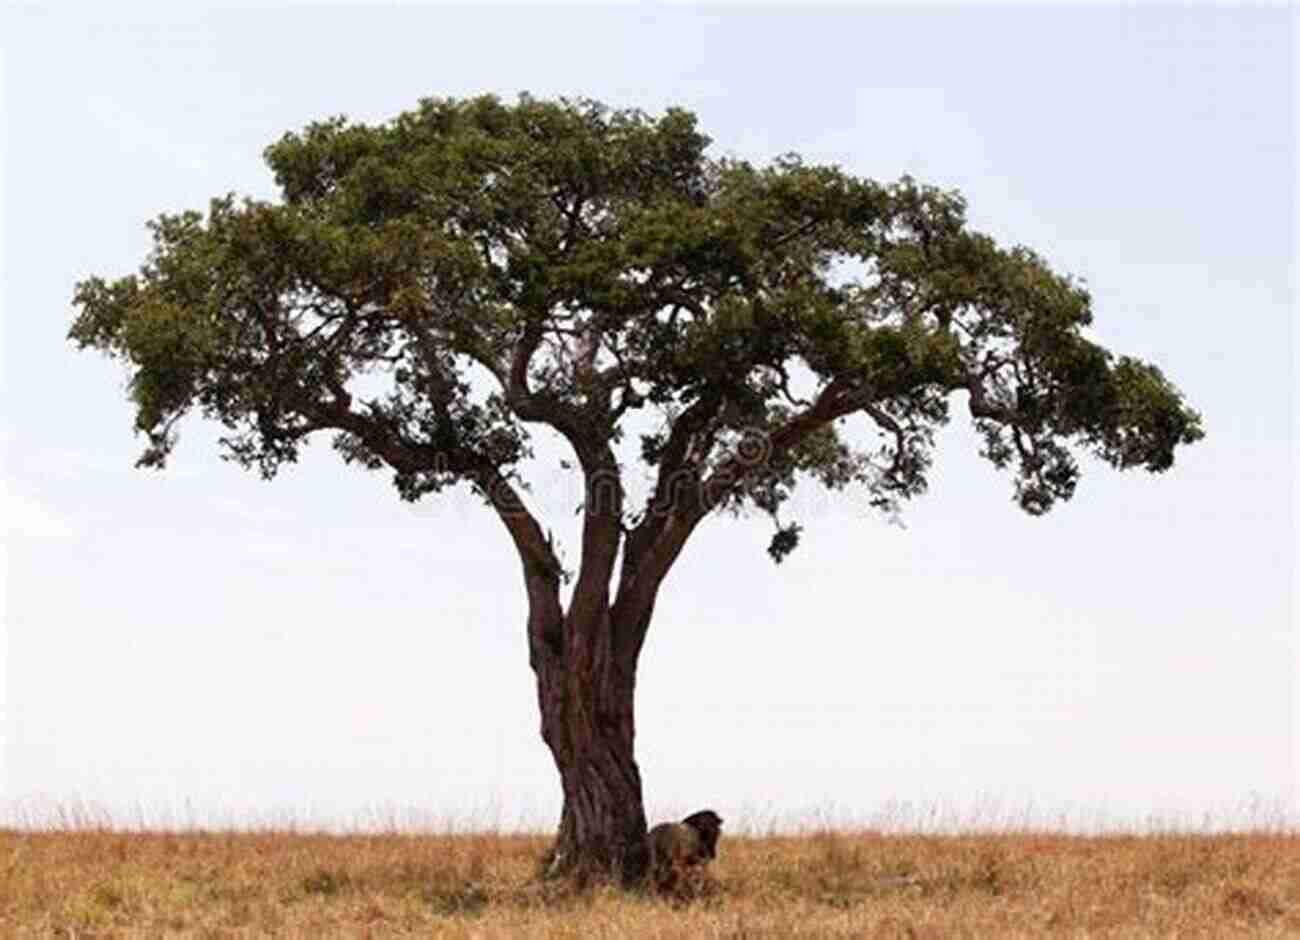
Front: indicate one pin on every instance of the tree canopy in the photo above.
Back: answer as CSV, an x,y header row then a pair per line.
x,y
564,263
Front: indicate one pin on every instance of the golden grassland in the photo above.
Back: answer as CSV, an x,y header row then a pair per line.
x,y
129,884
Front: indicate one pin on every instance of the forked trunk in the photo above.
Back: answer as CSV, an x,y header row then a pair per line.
x,y
586,699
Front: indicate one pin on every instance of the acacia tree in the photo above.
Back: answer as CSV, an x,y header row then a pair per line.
x,y
491,267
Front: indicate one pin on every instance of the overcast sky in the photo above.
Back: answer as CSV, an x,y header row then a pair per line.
x,y
199,645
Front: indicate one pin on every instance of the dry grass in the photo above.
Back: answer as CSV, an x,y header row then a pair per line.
x,y
120,884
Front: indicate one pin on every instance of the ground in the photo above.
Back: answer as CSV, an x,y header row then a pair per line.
x,y
827,884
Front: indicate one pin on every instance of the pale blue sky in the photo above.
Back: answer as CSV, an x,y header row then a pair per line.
x,y
203,645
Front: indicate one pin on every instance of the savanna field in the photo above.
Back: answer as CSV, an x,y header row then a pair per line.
x,y
104,883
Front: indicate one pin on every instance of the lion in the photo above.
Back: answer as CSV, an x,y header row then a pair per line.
x,y
679,851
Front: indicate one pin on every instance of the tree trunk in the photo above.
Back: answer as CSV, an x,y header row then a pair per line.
x,y
586,699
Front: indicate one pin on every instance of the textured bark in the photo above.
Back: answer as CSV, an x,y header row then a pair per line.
x,y
586,699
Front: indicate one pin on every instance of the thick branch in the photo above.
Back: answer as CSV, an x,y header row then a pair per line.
x,y
544,408
981,407
541,568
640,584
603,506
675,473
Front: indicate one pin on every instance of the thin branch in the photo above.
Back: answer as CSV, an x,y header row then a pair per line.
x,y
794,233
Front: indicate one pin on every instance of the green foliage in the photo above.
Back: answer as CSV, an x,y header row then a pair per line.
x,y
491,265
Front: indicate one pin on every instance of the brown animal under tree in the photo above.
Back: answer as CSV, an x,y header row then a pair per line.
x,y
679,851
